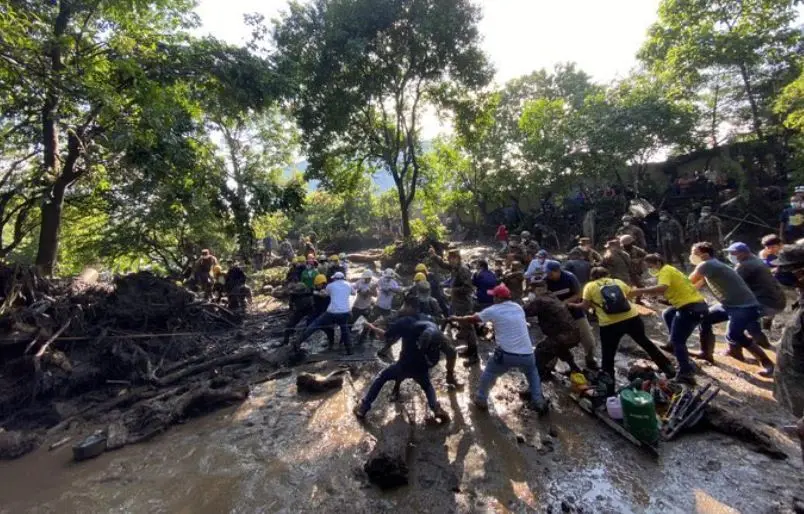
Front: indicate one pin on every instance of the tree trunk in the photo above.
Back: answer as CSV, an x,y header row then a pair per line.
x,y
404,208
405,222
749,91
51,208
49,231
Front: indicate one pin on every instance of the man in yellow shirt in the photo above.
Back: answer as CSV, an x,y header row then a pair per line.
x,y
618,317
687,309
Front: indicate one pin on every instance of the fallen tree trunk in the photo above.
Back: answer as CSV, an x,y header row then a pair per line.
x,y
387,464
723,421
312,383
206,366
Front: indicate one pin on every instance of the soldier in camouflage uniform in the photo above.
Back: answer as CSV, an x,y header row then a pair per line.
x,y
789,373
462,292
691,226
617,261
515,281
670,239
529,245
556,323
629,228
710,229
637,256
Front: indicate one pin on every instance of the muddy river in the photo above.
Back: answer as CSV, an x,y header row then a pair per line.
x,y
284,452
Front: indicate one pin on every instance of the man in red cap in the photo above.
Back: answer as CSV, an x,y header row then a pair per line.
x,y
514,347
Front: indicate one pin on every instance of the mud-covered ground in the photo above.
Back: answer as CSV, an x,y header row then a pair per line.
x,y
284,452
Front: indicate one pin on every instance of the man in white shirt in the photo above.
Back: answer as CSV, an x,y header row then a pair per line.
x,y
337,313
388,287
514,347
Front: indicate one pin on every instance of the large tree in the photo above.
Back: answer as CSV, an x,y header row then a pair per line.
x,y
704,45
85,82
365,71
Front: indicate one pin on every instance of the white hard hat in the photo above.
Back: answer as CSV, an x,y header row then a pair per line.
x,y
338,276
367,274
342,256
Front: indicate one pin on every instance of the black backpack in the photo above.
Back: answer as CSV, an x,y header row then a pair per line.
x,y
429,342
614,300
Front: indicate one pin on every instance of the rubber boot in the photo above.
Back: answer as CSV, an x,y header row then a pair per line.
x,y
707,352
764,360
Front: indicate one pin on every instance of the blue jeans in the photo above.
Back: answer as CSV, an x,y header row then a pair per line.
x,y
741,320
499,363
327,320
680,324
399,372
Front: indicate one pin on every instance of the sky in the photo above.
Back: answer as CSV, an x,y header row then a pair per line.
x,y
519,36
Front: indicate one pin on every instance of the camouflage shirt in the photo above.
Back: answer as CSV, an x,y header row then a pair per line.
x,y
555,320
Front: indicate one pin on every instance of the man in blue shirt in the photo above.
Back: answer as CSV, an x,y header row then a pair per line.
x,y
565,287
412,362
484,280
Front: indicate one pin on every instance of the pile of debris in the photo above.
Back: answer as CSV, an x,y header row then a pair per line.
x,y
89,344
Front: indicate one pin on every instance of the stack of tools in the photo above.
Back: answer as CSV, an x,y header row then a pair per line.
x,y
686,409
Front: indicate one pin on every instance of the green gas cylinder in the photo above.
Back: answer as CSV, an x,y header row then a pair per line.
x,y
639,415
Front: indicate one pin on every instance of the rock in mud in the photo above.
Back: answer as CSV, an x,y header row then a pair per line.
x,y
15,444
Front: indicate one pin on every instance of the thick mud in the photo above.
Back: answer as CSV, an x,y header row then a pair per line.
x,y
281,451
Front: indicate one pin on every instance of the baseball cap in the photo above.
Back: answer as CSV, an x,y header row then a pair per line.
x,y
501,291
739,248
541,253
552,266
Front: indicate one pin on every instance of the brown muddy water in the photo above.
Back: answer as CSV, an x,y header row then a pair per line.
x,y
284,452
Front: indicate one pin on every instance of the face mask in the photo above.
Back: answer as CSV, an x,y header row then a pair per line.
x,y
704,215
531,297
653,272
663,218
695,259
733,259
626,223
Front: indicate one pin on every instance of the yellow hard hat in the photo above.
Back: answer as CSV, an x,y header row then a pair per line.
x,y
320,280
217,269
299,259
334,258
421,268
419,277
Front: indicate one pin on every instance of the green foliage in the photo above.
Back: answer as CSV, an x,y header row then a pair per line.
x,y
365,70
697,41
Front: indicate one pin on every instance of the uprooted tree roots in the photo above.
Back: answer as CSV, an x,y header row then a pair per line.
x,y
129,345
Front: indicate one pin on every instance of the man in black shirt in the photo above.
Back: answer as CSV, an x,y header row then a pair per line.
x,y
412,362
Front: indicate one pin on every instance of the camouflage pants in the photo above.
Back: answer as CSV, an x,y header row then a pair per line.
x,y
465,307
789,380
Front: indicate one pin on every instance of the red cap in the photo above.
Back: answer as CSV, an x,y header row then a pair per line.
x,y
501,291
